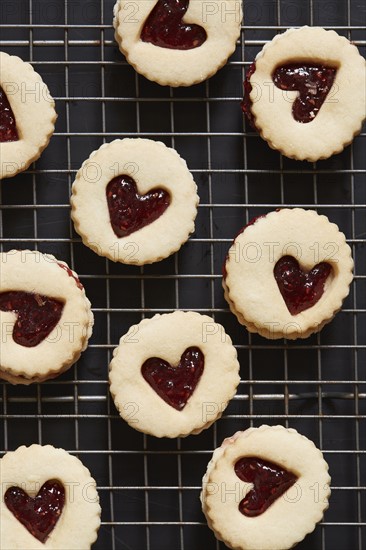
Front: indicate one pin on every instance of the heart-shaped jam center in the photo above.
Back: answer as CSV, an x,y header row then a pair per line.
x,y
37,316
8,129
128,210
175,384
312,81
299,289
270,482
164,27
40,514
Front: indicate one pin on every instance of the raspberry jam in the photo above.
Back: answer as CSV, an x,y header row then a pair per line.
x,y
270,482
37,316
175,384
71,274
313,82
8,129
299,289
250,222
164,27
246,104
130,211
40,514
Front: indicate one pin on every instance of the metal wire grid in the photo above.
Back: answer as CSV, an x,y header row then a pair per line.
x,y
149,488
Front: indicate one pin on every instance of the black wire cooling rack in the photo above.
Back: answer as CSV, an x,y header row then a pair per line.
x,y
149,488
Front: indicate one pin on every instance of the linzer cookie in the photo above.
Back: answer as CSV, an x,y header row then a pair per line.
x,y
27,115
177,42
134,201
287,273
265,488
48,500
305,93
174,374
45,317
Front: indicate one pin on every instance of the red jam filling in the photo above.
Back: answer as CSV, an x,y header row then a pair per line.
x,y
164,27
37,316
299,289
40,514
175,384
251,222
130,211
8,129
270,482
313,82
246,104
70,274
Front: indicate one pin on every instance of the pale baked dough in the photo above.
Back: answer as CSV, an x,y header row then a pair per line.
x,y
151,164
251,289
34,111
29,468
168,336
289,518
221,20
340,117
32,271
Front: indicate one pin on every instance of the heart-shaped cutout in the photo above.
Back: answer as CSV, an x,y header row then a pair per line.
x,y
299,289
40,514
270,482
37,316
164,27
313,82
128,210
8,129
175,384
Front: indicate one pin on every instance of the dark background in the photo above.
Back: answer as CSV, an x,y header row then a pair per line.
x,y
149,488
